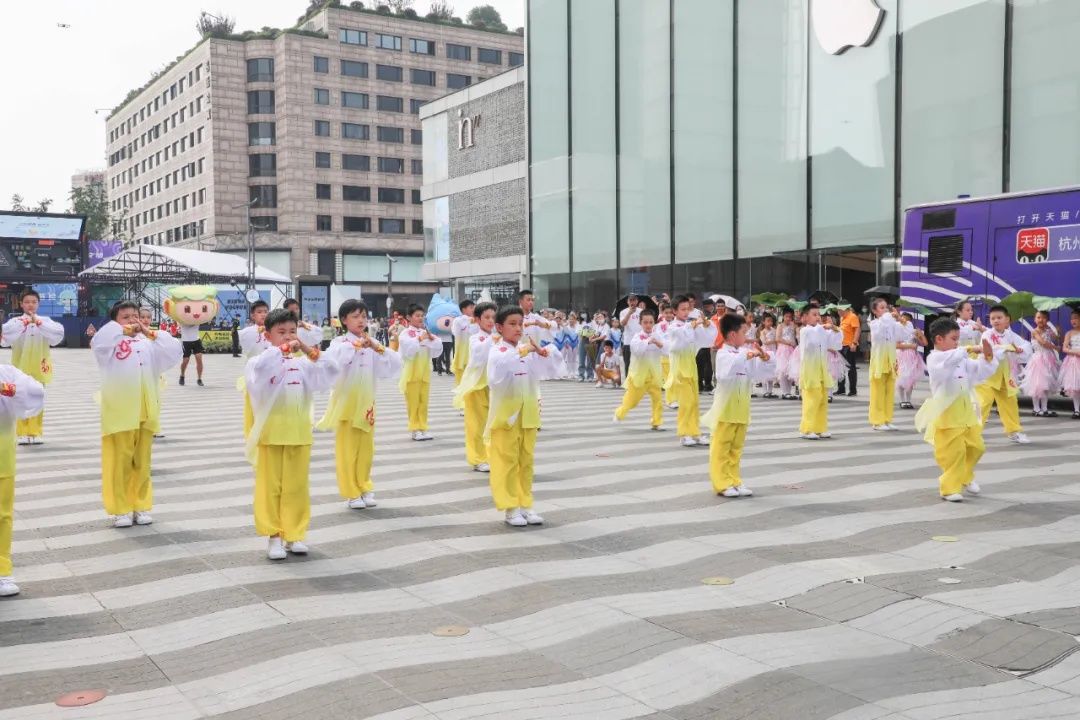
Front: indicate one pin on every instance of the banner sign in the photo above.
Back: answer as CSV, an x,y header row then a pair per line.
x,y
314,303
235,305
99,250
58,299
216,341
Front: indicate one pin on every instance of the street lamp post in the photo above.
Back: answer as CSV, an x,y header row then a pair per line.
x,y
251,239
390,260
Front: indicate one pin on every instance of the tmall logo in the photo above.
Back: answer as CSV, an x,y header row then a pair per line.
x,y
843,24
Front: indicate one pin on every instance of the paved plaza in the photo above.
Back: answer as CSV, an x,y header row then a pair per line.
x,y
845,589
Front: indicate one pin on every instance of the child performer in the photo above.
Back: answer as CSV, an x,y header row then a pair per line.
x,y
884,332
131,358
418,348
785,350
647,348
667,315
280,382
1069,377
360,361
252,342
738,366
21,396
29,336
536,326
1040,376
471,396
1001,386
570,341
514,373
146,317
814,378
971,328
608,372
909,361
768,337
306,332
462,328
685,338
950,418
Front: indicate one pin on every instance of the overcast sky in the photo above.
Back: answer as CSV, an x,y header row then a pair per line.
x,y
54,78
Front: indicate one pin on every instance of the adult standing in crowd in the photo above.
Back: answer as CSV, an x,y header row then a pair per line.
x,y
630,319
851,329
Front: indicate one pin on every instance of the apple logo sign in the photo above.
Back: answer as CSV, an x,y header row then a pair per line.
x,y
843,24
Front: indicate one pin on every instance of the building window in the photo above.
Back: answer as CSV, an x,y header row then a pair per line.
x,y
265,196
415,105
322,128
422,47
322,65
456,82
266,222
355,162
390,134
356,224
489,56
260,70
353,131
322,96
416,198
352,37
387,103
422,77
392,165
323,223
322,159
352,68
391,195
260,102
391,226
261,133
516,59
355,193
354,100
417,227
417,167
391,73
458,52
416,137
322,191
388,42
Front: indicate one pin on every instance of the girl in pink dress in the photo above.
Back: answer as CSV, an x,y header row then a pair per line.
x,y
785,350
1069,377
794,363
1039,379
910,363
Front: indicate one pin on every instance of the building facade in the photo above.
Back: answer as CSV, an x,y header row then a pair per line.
x,y
86,178
742,146
317,128
475,190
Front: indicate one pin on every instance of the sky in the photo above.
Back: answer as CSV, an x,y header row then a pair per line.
x,y
61,82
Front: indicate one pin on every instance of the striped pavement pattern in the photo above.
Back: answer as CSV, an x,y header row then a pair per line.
x,y
843,605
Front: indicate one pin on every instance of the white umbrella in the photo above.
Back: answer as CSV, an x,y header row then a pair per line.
x,y
730,302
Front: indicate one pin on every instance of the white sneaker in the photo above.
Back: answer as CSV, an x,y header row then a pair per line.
x,y
825,435
275,550
688,441
973,488
810,436
514,518
296,547
880,428
1020,438
36,440
955,497
672,406
415,435
143,518
656,428
745,491
615,419
703,439
369,499
8,587
731,492
356,503
889,427
531,517
423,435
482,467
24,440
122,521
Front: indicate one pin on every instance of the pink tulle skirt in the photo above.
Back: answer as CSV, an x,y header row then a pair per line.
x,y
1069,376
794,363
783,357
912,368
838,366
1040,376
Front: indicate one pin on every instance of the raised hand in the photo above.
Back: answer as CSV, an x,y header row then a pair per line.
x,y
987,349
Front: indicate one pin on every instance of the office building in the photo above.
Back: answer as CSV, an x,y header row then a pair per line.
x,y
86,178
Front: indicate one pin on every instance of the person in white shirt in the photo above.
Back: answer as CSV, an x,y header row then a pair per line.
x,y
815,381
20,396
462,328
971,328
685,337
310,335
536,326
30,336
1002,387
630,320
471,396
418,348
649,347
884,334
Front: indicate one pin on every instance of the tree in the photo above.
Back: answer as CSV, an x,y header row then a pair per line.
x,y
399,5
18,204
485,16
220,25
440,10
90,201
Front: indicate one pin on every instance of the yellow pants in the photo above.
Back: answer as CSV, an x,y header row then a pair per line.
x,y
511,459
282,501
457,377
815,410
665,369
476,414
882,394
30,426
685,392
249,414
1008,407
7,512
125,471
956,451
634,394
416,400
725,454
354,451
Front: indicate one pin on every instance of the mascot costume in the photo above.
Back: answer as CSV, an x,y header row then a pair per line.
x,y
191,306
440,316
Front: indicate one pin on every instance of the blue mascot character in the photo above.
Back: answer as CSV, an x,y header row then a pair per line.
x,y
440,314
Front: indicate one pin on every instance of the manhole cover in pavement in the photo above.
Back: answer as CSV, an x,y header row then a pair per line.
x,y
944,538
80,698
717,581
450,631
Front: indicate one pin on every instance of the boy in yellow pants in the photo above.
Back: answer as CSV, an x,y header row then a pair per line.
x,y
685,338
281,382
131,358
471,395
950,418
252,342
884,332
21,396
647,350
738,367
30,336
1002,387
815,380
514,373
667,314
360,361
418,348
462,328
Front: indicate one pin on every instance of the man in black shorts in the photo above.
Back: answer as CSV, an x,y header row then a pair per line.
x,y
189,336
